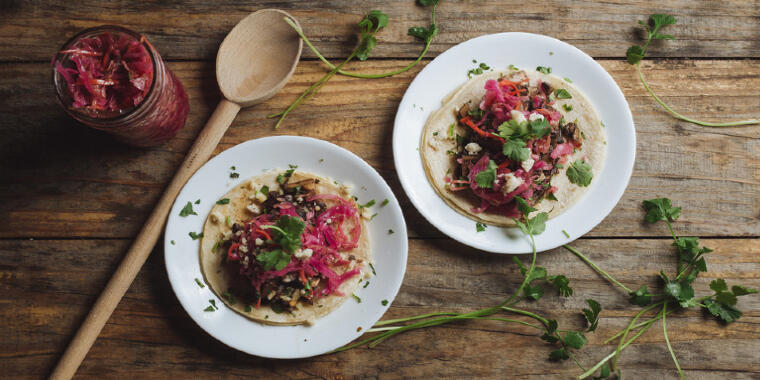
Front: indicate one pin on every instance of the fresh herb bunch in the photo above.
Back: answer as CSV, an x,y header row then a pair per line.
x,y
677,294
369,26
636,53
531,288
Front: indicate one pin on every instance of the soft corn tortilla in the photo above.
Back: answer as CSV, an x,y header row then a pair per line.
x,y
438,164
220,279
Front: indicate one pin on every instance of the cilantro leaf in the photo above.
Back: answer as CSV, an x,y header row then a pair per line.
x,y
641,297
558,354
579,173
223,201
523,206
194,235
540,127
725,313
660,209
535,225
574,339
562,284
515,150
533,292
561,93
592,315
365,48
487,177
634,54
742,290
289,230
719,285
545,70
276,259
187,210
480,227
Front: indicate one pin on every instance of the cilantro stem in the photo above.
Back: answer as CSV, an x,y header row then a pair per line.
x,y
421,316
575,360
596,268
627,330
667,340
610,356
360,75
684,118
527,276
543,320
655,318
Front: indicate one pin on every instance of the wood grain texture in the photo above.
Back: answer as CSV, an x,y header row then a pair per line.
x,y
64,180
47,286
191,30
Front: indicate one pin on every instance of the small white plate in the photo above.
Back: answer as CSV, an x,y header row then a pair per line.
x,y
251,158
524,50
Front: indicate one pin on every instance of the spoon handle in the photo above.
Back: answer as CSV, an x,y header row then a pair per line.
x,y
199,153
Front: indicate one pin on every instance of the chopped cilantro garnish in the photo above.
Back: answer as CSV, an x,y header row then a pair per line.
x,y
197,281
247,308
358,300
187,210
232,167
450,133
209,308
212,307
567,80
228,221
195,236
480,227
545,70
372,216
289,230
373,269
172,242
282,177
513,67
368,204
561,93
384,302
384,202
223,201
230,298
198,202
264,190
579,173
567,107
566,234
366,284
435,133
486,178
551,197
390,232
234,175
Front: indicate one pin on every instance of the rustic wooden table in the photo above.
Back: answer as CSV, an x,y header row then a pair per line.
x,y
71,199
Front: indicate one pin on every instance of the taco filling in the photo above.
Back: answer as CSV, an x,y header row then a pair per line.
x,y
514,143
295,250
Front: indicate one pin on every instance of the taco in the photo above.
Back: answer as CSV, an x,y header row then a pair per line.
x,y
285,248
512,136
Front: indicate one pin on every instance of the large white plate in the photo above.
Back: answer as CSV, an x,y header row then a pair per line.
x,y
524,50
253,157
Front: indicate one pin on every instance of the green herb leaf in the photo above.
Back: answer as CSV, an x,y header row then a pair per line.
x,y
533,292
719,285
187,210
562,284
384,302
358,300
574,339
229,297
592,315
634,54
248,308
660,209
539,128
276,259
289,230
195,236
742,290
390,232
173,243
264,190
523,206
641,297
515,150
480,227
558,355
197,281
487,177
579,173
545,70
561,93
535,225
384,202
567,107
725,313
209,308
368,204
223,201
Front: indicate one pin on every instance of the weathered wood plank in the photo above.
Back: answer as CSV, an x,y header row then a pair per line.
x,y
48,286
63,180
34,30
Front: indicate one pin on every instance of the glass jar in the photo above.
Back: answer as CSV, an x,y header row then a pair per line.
x,y
112,79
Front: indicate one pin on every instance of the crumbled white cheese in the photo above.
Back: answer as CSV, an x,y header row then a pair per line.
x,y
536,116
258,242
243,248
253,208
528,164
517,116
227,235
302,254
511,183
252,185
215,217
473,148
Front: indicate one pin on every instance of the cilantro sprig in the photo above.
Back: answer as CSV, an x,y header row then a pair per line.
x,y
636,54
288,232
677,292
369,26
515,135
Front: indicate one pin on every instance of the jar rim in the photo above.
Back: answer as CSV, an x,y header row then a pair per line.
x,y
97,30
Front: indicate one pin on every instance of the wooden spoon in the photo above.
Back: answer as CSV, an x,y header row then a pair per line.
x,y
254,62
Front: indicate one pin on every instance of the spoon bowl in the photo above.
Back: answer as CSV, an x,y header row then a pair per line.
x,y
257,57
